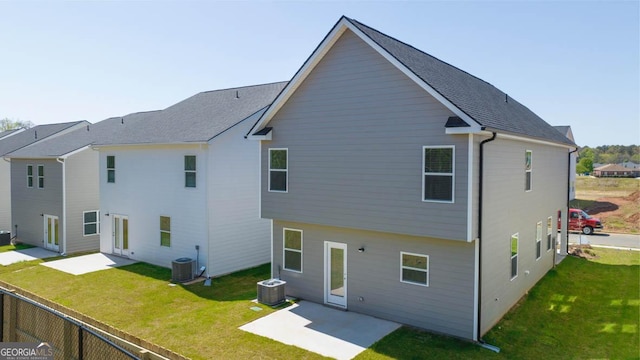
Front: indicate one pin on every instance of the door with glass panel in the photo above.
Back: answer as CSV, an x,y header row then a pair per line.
x,y
336,274
51,232
120,235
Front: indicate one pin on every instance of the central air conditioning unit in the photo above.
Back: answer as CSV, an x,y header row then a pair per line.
x,y
182,270
271,292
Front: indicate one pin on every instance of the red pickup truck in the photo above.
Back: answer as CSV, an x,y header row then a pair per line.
x,y
581,221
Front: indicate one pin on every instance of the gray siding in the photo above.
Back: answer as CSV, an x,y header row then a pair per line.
x,y
5,196
505,198
82,195
445,306
355,129
27,204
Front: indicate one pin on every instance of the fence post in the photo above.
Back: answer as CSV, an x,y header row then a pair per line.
x,y
2,295
13,317
80,344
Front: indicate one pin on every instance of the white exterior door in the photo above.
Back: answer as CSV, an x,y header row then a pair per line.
x,y
120,235
51,232
335,273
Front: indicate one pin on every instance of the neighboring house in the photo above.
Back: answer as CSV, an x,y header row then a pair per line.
x,y
12,140
405,188
54,188
615,170
630,165
573,160
184,183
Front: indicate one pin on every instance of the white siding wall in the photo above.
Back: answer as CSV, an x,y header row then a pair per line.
x,y
238,237
82,195
149,184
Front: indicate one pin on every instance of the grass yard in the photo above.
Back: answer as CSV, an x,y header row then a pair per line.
x,y
583,309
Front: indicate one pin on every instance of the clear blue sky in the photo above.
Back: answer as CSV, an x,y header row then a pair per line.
x,y
571,62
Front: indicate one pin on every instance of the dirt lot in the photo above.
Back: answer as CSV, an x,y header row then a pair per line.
x,y
615,201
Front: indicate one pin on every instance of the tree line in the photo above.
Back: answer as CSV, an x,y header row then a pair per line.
x,y
606,154
8,124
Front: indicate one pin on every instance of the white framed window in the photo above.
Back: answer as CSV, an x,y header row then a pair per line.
x,y
528,168
538,239
90,222
414,268
111,169
278,170
438,173
40,176
292,249
190,171
549,232
165,231
514,255
30,176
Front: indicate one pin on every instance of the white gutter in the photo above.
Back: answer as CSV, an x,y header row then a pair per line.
x,y
64,206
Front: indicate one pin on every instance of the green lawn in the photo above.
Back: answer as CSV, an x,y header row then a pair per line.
x,y
5,248
583,309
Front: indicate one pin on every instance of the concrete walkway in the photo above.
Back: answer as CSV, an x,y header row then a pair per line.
x,y
323,330
88,263
15,256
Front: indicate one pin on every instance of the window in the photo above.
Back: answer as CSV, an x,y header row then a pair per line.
x,y
538,239
414,268
190,171
278,168
40,176
549,232
527,170
111,169
30,176
438,172
91,222
292,249
165,231
514,256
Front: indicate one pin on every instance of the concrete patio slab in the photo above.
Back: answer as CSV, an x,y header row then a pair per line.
x,y
323,330
88,263
15,256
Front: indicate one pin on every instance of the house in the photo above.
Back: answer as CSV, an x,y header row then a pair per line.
x,y
184,184
573,160
54,189
615,170
12,140
402,187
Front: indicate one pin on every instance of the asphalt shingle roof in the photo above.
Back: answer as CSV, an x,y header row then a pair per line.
x,y
477,98
198,118
33,135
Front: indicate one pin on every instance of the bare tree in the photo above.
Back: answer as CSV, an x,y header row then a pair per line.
x,y
8,124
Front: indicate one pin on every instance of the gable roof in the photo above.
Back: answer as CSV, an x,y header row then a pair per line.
x,y
478,103
35,134
614,167
566,131
90,134
199,118
9,132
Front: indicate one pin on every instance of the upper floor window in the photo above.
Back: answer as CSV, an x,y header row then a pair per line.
x,y
111,169
190,171
40,176
278,170
438,173
91,222
414,268
292,249
165,231
30,176
527,170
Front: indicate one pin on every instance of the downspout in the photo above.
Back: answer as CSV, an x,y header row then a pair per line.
x,y
480,185
13,233
566,234
64,206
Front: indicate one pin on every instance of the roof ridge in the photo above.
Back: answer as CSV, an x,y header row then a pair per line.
x,y
242,87
421,51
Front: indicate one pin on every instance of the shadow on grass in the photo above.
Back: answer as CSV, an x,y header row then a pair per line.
x,y
239,285
593,207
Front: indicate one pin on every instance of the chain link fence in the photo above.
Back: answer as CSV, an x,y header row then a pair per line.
x,y
26,321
